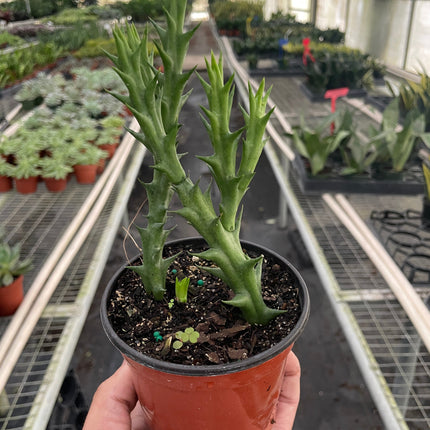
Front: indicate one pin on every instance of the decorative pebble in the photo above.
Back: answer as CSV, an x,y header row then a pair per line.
x,y
158,336
174,271
200,282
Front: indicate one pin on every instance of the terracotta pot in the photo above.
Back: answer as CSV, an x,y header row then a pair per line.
x,y
238,395
11,296
110,149
26,185
101,166
85,173
55,185
5,184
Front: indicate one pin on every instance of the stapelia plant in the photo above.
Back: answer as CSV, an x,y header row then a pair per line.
x,y
156,98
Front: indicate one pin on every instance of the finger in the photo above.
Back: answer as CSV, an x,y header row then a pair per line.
x,y
113,402
290,395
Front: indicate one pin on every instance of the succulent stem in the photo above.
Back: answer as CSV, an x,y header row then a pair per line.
x,y
156,99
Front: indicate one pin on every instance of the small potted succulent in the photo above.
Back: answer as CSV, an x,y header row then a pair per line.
x,y
6,173
198,347
12,270
26,173
85,158
55,169
110,133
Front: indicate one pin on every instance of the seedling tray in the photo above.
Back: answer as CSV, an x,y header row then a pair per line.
x,y
409,183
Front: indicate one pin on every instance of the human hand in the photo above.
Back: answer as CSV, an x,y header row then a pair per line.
x,y
115,406
290,395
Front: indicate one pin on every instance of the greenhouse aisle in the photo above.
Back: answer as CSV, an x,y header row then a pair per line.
x,y
333,392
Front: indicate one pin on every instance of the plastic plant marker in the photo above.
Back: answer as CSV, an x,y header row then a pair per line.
x,y
307,51
334,95
282,42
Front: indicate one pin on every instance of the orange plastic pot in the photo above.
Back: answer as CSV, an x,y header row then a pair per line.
x,y
238,395
11,296
109,148
85,173
55,185
5,184
26,185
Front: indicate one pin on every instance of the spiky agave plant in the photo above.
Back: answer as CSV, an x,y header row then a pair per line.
x,y
155,99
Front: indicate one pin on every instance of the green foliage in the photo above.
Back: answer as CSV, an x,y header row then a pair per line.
x,y
337,69
21,62
56,166
416,96
83,153
74,37
317,144
188,335
95,48
7,39
11,264
6,168
397,143
181,289
72,16
142,10
155,99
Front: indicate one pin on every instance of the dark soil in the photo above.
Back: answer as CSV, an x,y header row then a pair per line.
x,y
224,336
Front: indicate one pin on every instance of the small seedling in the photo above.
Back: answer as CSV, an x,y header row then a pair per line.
x,y
181,289
171,303
188,335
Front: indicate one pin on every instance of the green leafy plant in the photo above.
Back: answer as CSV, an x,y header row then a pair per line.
x,y
181,289
317,144
6,168
359,155
86,154
11,264
396,144
56,166
156,99
188,335
415,96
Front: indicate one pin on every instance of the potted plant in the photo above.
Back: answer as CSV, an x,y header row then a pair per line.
x,y
6,173
318,143
55,170
26,173
206,388
109,136
86,157
397,144
12,270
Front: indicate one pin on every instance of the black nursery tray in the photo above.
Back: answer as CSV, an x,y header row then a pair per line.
x,y
319,97
406,237
410,182
294,68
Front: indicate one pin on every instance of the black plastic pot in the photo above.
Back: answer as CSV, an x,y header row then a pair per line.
x,y
241,394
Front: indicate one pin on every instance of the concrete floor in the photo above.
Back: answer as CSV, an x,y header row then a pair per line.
x,y
333,395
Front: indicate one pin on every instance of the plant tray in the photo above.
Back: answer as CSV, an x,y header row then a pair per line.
x,y
405,235
410,183
319,97
294,68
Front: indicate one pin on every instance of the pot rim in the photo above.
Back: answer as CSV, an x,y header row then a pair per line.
x,y
216,369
